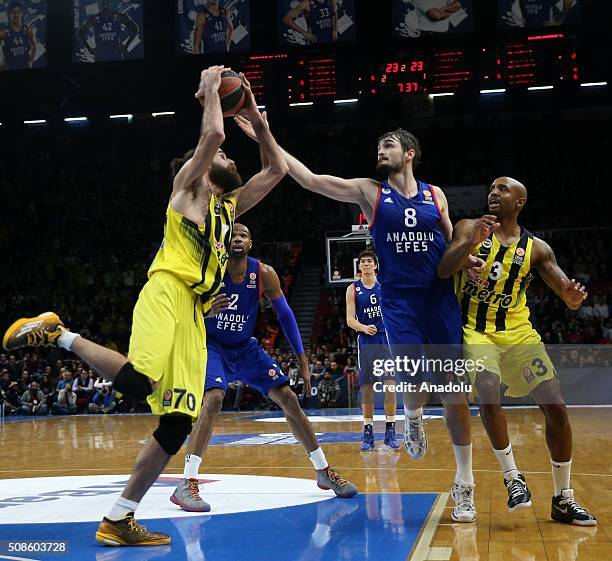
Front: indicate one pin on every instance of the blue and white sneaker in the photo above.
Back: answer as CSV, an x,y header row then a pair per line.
x,y
390,438
368,439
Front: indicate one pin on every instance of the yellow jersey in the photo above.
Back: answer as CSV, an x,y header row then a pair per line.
x,y
194,253
496,300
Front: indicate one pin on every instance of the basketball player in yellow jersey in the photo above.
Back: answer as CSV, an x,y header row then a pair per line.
x,y
497,331
166,361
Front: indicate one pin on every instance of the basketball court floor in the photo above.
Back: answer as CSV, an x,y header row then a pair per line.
x,y
60,475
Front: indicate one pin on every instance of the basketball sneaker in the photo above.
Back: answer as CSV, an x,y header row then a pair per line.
x,y
415,439
519,495
187,496
368,438
128,532
329,478
565,509
40,331
390,438
463,495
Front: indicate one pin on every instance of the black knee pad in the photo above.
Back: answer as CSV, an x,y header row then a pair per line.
x,y
132,383
172,432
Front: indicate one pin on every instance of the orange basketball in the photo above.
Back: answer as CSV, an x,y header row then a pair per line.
x,y
231,93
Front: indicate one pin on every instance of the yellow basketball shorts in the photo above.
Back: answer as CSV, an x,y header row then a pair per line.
x,y
168,344
517,356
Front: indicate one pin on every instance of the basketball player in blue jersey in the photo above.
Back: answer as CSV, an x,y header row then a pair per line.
x,y
213,29
322,18
410,225
106,27
497,330
234,354
18,42
364,316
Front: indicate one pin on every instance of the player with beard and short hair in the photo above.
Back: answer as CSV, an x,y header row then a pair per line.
x,y
322,18
18,41
410,225
498,332
234,354
167,355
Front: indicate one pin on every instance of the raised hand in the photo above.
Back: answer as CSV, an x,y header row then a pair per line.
x,y
210,80
247,127
483,227
574,293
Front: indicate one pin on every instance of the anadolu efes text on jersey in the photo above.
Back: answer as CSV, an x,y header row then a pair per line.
x,y
407,237
237,323
367,306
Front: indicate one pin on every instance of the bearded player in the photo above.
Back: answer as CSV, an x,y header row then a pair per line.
x,y
364,316
234,354
410,225
497,330
167,355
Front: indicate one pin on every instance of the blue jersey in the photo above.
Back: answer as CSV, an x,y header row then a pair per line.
x,y
321,20
367,307
237,324
215,32
537,12
17,46
107,30
409,242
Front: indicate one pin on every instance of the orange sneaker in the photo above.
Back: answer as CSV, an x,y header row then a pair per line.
x,y
40,331
128,532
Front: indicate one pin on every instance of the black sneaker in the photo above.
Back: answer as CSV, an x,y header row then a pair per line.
x,y
565,509
519,495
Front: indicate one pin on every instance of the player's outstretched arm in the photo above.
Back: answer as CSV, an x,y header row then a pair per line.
x,y
361,191
274,167
543,259
212,133
466,235
272,290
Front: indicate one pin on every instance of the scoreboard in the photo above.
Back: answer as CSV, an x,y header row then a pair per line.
x,y
520,62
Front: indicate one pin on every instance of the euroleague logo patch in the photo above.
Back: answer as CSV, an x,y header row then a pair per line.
x,y
273,374
167,398
88,498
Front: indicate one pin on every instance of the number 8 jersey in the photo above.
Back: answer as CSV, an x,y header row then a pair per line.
x,y
408,240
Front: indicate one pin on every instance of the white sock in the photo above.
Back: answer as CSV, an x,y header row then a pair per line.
x,y
561,472
192,463
318,459
505,458
390,418
413,413
66,339
121,508
463,457
368,421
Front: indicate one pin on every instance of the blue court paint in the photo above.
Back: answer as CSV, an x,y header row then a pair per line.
x,y
284,438
381,527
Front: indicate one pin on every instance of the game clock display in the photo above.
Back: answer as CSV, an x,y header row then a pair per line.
x,y
421,73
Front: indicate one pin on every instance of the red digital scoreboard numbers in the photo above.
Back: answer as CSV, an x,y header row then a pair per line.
x,y
537,60
257,70
420,74
311,79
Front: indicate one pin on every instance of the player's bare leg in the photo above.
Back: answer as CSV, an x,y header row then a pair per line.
x,y
494,421
457,418
187,492
559,440
367,408
327,477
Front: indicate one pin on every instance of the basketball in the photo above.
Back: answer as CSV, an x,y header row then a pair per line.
x,y
231,93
